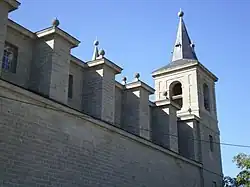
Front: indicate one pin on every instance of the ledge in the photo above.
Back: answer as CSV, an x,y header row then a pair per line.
x,y
166,102
208,72
119,85
189,64
21,29
105,61
55,30
13,4
175,68
77,61
188,117
140,84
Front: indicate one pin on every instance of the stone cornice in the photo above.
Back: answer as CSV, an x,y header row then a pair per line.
x,y
13,4
166,102
138,84
55,30
12,24
105,61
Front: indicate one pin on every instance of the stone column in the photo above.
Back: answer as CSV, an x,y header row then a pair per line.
x,y
191,130
164,124
50,70
135,109
99,89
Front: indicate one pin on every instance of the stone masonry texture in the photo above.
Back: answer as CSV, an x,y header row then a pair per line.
x,y
24,60
45,147
3,28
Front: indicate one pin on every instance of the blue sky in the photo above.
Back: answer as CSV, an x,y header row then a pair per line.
x,y
139,35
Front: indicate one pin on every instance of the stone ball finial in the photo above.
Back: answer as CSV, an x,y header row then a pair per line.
x,y
137,76
124,79
96,42
180,13
102,52
55,23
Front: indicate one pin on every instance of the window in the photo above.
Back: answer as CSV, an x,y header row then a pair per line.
x,y
177,90
176,93
9,61
70,87
206,97
214,184
211,142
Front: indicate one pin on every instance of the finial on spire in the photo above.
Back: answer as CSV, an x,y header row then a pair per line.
x,y
96,51
96,42
183,48
180,13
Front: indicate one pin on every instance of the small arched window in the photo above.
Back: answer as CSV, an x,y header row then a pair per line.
x,y
177,90
176,93
206,97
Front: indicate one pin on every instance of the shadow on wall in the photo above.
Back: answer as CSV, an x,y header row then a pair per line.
x,y
186,139
160,127
161,134
130,120
92,92
41,68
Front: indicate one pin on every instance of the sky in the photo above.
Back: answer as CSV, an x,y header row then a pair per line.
x,y
139,35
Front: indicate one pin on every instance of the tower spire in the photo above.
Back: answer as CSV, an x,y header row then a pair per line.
x,y
96,51
183,48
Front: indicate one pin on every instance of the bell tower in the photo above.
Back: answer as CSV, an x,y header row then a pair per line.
x,y
192,86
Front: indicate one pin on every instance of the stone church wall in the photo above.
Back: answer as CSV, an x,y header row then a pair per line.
x,y
78,79
43,143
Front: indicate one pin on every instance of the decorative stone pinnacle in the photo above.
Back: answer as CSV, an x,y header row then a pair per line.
x,y
102,53
96,42
96,51
137,76
55,23
124,80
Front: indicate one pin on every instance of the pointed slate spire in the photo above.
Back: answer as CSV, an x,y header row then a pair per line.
x,y
96,52
184,48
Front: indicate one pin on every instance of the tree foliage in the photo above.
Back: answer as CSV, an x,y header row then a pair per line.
x,y
243,178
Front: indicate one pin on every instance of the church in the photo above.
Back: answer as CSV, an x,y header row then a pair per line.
x,y
69,122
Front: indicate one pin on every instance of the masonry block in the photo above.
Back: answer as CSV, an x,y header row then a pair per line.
x,y
99,89
135,109
164,124
50,71
45,147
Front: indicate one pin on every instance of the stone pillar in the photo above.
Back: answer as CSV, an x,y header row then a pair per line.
x,y
191,136
50,70
99,89
164,124
135,109
5,8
